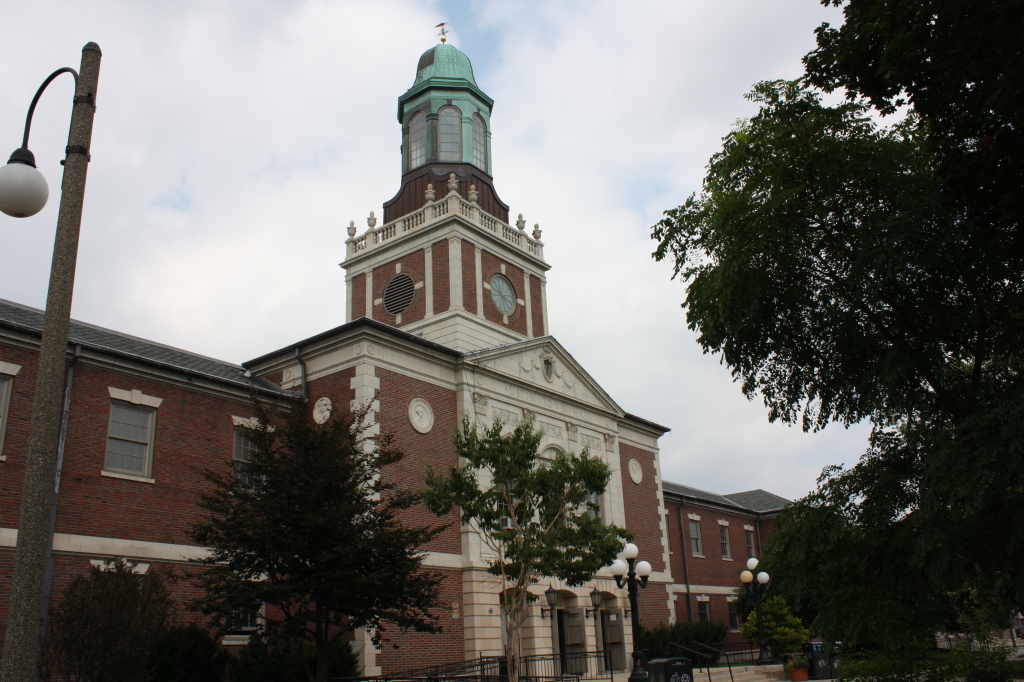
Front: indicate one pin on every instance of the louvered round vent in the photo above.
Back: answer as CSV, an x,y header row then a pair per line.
x,y
398,293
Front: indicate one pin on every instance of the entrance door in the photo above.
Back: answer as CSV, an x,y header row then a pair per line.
x,y
572,641
613,637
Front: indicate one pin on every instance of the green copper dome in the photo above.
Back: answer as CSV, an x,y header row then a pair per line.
x,y
444,61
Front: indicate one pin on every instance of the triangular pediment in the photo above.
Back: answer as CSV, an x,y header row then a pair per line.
x,y
543,365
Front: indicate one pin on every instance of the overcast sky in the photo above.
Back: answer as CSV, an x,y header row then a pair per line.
x,y
234,141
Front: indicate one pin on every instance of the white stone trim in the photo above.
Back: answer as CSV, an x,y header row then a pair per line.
x,y
428,278
703,597
704,589
723,522
127,477
455,273
135,397
9,368
526,304
693,517
747,527
348,298
369,293
478,263
101,546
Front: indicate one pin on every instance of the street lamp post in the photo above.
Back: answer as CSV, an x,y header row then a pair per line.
x,y
757,588
635,578
23,193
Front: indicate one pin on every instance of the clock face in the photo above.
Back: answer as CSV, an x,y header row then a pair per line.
x,y
503,295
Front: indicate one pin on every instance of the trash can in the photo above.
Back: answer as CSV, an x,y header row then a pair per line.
x,y
670,670
823,666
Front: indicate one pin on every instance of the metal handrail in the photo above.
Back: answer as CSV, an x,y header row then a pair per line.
x,y
694,651
720,653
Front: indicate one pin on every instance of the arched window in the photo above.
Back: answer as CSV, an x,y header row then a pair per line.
x,y
479,142
449,121
418,140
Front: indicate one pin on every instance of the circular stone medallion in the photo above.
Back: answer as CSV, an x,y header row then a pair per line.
x,y
322,410
421,416
636,472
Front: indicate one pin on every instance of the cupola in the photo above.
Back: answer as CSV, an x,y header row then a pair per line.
x,y
446,128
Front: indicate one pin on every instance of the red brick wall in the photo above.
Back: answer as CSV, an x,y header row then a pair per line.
x,y
491,266
413,265
194,431
469,276
15,442
336,386
653,602
421,449
641,505
405,650
442,288
537,305
358,285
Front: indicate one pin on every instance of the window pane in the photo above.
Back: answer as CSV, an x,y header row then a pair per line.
x,y
734,617
723,534
703,612
695,537
479,142
418,140
128,440
750,544
450,126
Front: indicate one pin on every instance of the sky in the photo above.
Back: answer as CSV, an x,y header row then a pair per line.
x,y
233,142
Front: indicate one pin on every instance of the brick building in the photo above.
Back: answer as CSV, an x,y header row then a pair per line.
x,y
446,318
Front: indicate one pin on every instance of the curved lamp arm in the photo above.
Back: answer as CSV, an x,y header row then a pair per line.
x,y
22,154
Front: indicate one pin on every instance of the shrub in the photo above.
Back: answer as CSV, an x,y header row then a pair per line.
x,y
657,641
186,653
783,631
281,661
106,624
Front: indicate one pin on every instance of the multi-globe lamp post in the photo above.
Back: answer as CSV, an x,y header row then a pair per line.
x,y
757,587
23,192
633,577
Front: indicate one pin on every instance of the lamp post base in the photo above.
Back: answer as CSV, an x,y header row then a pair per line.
x,y
639,673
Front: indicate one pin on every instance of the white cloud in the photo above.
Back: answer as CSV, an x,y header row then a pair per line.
x,y
234,142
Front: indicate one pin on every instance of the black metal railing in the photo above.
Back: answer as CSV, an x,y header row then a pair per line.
x,y
567,667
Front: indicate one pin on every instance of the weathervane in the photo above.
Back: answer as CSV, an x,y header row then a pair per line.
x,y
443,32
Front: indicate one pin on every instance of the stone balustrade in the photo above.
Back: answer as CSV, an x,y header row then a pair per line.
x,y
434,211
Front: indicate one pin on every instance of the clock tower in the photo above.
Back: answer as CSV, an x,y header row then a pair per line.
x,y
446,264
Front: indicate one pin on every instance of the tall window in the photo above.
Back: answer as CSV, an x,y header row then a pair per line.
x,y
695,544
703,611
734,617
130,439
417,140
5,401
241,455
595,511
750,544
449,121
723,538
479,142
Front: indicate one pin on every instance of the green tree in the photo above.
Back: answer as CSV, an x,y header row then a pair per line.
x,y
107,622
843,276
186,653
783,631
535,516
312,529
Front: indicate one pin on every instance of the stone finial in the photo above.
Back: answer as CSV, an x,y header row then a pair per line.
x,y
536,231
473,195
521,224
371,221
429,194
453,183
351,228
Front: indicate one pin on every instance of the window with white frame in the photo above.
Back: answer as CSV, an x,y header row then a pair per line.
x,y
449,123
594,505
703,611
734,616
723,540
695,541
241,455
242,621
6,384
417,140
130,439
750,543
